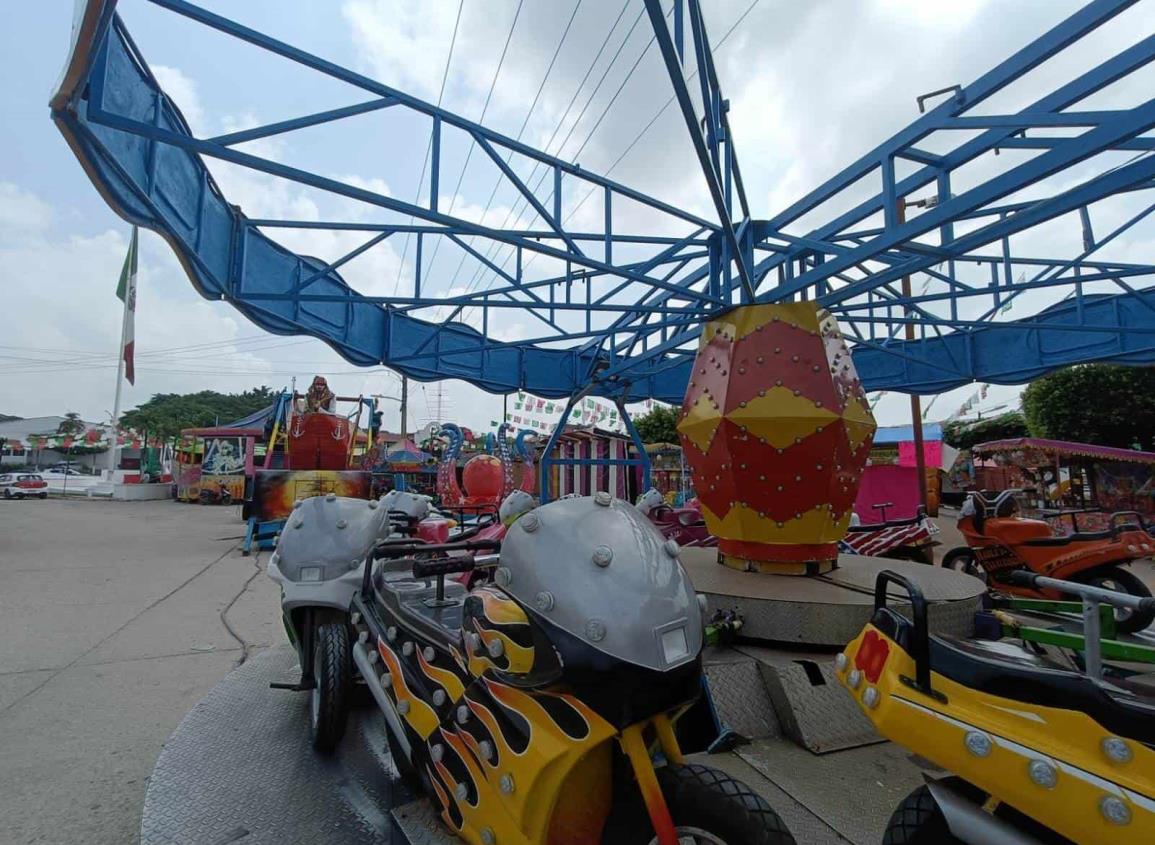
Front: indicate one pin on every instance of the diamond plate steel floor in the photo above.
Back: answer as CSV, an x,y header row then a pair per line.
x,y
239,769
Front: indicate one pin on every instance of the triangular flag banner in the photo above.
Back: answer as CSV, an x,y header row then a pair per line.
x,y
126,292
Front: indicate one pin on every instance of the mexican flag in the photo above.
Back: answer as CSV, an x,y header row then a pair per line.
x,y
126,292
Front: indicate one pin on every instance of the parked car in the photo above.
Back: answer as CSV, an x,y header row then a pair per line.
x,y
63,469
20,485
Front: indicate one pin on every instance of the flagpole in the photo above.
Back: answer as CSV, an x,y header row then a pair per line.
x,y
112,448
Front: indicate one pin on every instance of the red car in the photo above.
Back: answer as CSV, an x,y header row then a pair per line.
x,y
20,485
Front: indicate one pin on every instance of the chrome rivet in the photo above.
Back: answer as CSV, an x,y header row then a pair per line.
x,y
486,749
331,497
438,697
391,633
503,576
487,837
603,555
1116,749
474,643
298,523
342,523
437,752
544,601
372,504
386,680
403,707
428,653
506,784
530,522
603,498
671,548
297,503
407,648
1043,774
363,637
1115,810
841,661
595,630
495,648
871,697
461,791
854,678
373,658
462,714
978,743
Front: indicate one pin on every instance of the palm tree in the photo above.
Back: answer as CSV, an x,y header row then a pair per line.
x,y
71,424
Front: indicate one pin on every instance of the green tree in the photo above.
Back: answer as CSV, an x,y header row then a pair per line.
x,y
166,414
1105,404
71,424
962,434
659,425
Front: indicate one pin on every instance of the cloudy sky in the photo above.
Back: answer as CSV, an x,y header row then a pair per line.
x,y
812,85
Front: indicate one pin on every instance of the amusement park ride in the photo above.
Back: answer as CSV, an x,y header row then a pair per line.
x,y
767,331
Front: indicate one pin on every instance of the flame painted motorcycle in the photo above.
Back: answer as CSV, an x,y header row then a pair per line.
x,y
530,708
1041,752
999,543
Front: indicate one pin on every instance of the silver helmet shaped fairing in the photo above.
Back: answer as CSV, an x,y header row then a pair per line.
x,y
596,568
326,536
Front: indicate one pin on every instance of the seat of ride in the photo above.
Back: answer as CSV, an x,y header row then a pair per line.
x,y
992,668
415,599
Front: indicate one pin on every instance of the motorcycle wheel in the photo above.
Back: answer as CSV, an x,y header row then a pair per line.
x,y
963,560
1116,578
332,674
918,821
711,808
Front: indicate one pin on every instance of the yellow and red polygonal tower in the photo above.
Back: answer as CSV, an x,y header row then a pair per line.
x,y
777,429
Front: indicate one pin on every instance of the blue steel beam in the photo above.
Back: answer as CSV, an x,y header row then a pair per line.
x,y
656,304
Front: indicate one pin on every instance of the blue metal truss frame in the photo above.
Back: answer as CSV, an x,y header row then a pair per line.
x,y
639,315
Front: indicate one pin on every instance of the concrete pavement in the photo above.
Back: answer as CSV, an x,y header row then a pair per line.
x,y
115,619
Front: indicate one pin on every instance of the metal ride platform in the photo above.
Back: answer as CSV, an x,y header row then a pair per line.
x,y
239,767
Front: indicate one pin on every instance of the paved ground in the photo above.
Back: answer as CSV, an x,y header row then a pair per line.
x,y
115,619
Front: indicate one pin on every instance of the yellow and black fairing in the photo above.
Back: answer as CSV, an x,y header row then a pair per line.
x,y
510,749
1072,754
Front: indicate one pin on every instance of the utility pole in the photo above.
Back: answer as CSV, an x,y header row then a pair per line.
x,y
915,401
404,407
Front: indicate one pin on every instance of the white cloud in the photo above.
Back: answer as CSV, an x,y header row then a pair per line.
x,y
182,90
22,212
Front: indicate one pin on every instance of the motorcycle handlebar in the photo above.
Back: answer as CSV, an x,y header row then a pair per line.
x,y
1023,578
443,566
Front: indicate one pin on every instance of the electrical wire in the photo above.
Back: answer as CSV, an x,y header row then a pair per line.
x,y
521,131
429,146
484,111
632,143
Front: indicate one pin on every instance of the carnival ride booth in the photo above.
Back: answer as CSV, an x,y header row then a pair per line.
x,y
406,467
214,461
889,487
588,459
1074,485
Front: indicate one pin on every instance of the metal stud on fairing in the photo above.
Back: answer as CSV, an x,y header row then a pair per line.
x,y
407,648
391,633
1043,774
330,497
342,523
603,498
487,837
978,743
403,707
603,555
438,697
671,547
544,601
428,653
596,630
495,649
461,791
462,714
530,522
1115,810
386,680
486,749
506,784
1116,749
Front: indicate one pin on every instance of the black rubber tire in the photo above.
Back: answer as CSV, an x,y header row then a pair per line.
x,y
1116,576
918,821
43,495
963,560
332,674
710,800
